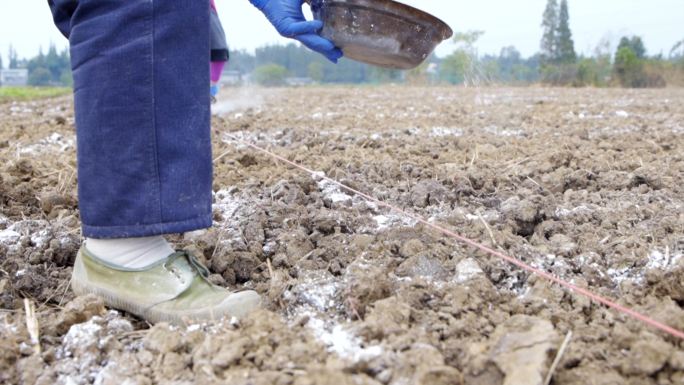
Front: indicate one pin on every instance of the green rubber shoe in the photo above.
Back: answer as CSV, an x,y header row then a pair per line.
x,y
174,290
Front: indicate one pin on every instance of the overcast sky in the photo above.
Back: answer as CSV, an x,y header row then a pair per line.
x,y
27,25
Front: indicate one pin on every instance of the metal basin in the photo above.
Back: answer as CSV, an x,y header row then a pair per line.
x,y
384,33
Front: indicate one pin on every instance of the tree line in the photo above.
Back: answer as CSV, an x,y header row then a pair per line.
x,y
556,63
51,69
627,66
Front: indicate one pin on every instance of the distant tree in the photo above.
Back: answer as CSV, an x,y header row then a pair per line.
x,y
638,47
419,75
635,44
632,68
1,62
242,61
509,61
509,67
530,71
270,75
588,72
628,67
13,58
550,23
384,75
294,57
66,78
488,71
37,62
346,71
677,56
510,54
565,45
558,57
299,61
467,39
39,74
462,65
675,62
596,70
677,51
316,71
39,77
56,63
604,48
454,68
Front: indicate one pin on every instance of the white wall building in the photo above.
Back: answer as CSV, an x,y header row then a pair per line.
x,y
231,78
14,77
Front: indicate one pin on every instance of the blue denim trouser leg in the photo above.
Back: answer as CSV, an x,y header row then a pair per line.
x,y
141,76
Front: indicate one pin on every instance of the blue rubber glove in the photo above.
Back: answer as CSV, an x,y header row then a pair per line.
x,y
288,19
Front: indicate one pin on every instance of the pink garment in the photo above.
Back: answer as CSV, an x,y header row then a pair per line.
x,y
216,69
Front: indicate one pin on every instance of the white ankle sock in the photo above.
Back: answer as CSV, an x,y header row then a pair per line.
x,y
132,253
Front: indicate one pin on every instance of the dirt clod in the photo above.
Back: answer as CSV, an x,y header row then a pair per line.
x,y
77,311
646,357
520,350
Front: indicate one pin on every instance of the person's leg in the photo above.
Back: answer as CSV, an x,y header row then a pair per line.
x,y
144,155
142,116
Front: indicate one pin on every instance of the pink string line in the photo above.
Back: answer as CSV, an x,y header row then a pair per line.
x,y
514,261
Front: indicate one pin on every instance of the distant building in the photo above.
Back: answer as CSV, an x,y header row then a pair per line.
x,y
14,77
297,82
231,78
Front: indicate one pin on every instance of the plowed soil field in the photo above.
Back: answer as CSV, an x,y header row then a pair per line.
x,y
585,184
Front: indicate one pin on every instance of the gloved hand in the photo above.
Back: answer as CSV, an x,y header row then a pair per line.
x,y
288,19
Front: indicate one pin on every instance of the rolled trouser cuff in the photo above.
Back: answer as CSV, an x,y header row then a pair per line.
x,y
135,231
